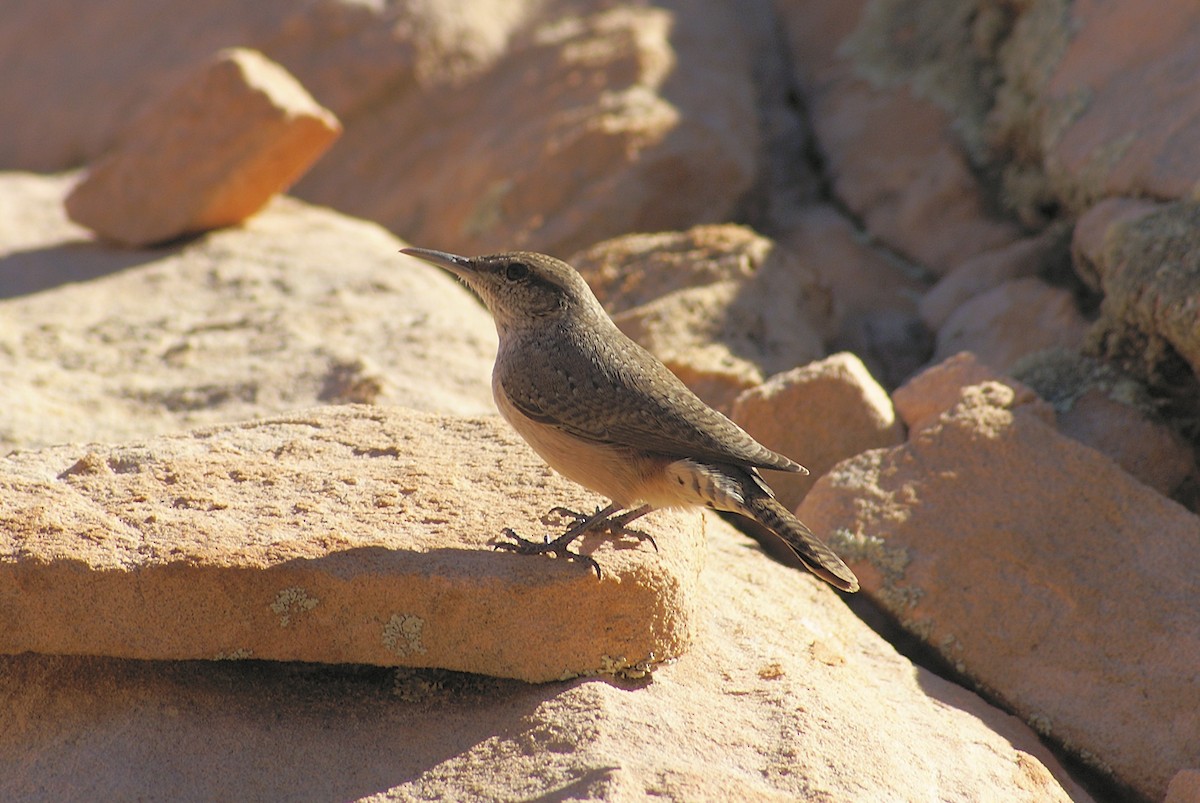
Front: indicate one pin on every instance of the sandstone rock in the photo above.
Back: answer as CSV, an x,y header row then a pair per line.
x,y
819,414
1007,548
1184,787
66,72
783,694
1111,412
923,399
874,293
300,305
210,154
1010,321
599,121
1101,95
887,131
1149,271
723,307
337,535
591,123
1089,239
1018,260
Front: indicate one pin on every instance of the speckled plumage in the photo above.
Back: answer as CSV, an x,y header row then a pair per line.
x,y
604,412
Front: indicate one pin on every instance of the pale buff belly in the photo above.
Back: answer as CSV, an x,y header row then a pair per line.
x,y
614,472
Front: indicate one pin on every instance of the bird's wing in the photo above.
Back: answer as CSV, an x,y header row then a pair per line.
x,y
621,400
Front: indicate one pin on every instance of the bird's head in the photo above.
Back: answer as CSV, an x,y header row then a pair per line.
x,y
521,288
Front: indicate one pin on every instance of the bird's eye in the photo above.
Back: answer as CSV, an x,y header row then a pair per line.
x,y
516,271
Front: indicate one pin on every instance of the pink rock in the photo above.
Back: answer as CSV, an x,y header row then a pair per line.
x,y
819,415
874,293
1096,225
1012,320
1184,787
1146,449
259,540
892,153
210,154
1040,569
920,400
1138,131
985,271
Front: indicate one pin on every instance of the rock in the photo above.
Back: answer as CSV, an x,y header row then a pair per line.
x,y
1099,96
819,414
1080,616
297,306
337,535
874,293
476,126
1010,321
1111,412
1149,272
1184,787
1021,259
590,124
923,399
349,55
210,154
887,130
722,306
1089,239
783,694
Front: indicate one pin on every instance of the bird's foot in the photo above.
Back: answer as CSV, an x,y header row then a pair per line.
x,y
617,525
558,547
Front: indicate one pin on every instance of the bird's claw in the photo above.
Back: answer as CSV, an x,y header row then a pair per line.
x,y
614,524
558,548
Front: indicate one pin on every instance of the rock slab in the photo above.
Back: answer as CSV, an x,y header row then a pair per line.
x,y
781,698
1038,568
211,153
339,535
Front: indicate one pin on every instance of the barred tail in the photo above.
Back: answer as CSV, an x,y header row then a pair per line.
x,y
817,558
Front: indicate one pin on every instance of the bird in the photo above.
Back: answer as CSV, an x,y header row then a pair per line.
x,y
605,413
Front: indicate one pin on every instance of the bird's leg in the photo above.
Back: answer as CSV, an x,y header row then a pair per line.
x,y
602,518
606,520
620,524
559,546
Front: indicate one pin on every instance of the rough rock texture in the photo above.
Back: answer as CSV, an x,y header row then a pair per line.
x,y
1184,787
1083,617
884,126
1111,412
722,306
300,306
350,55
1011,321
1148,267
583,129
921,400
819,415
211,153
874,293
783,695
336,535
1024,258
472,127
1099,96
1086,399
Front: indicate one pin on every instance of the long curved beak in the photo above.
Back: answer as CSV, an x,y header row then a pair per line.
x,y
451,262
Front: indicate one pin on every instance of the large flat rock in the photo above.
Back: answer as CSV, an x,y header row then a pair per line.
x,y
298,307
784,696
1040,569
346,534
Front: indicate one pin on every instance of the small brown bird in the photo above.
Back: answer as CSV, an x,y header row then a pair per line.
x,y
605,413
